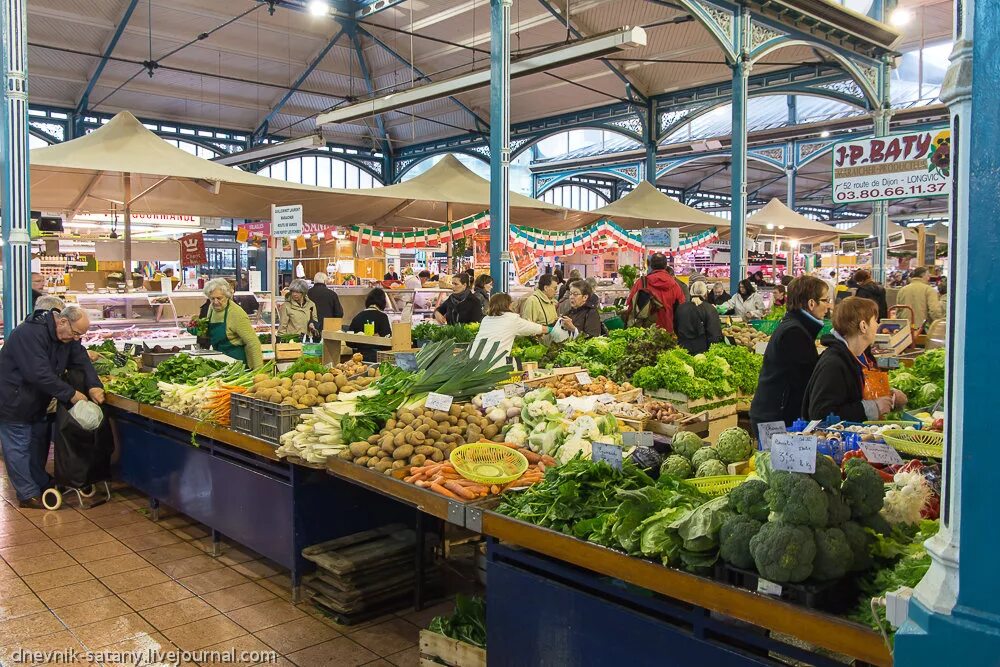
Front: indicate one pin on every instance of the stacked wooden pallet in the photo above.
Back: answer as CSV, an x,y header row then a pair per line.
x,y
367,574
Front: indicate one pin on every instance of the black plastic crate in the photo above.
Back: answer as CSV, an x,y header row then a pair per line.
x,y
242,414
273,419
837,596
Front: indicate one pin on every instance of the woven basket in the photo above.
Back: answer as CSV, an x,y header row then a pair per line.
x,y
927,444
717,485
488,463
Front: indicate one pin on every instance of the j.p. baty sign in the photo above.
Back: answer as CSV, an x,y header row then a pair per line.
x,y
898,166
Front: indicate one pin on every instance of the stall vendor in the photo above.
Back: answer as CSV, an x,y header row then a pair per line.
x,y
229,328
298,314
462,307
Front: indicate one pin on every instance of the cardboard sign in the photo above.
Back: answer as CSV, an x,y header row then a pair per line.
x,y
286,221
767,430
604,398
491,399
881,453
440,402
812,426
765,587
611,454
193,249
794,453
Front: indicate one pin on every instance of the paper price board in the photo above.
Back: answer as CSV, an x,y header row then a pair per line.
x,y
407,361
767,430
848,247
880,452
611,454
637,438
806,248
440,402
583,377
286,221
491,399
794,453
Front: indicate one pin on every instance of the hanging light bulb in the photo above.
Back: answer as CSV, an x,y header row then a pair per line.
x,y
319,8
900,17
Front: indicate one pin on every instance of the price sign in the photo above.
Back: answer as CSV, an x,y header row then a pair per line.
x,y
812,426
611,454
569,411
491,399
407,361
440,402
121,358
515,389
583,377
765,587
637,438
881,453
794,453
766,431
604,398
130,349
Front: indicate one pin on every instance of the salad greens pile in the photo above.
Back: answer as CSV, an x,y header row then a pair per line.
x,y
721,371
185,369
139,387
923,383
467,624
430,331
111,361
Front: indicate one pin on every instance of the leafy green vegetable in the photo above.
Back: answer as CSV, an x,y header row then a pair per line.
x,y
721,371
185,369
459,333
629,274
139,387
467,624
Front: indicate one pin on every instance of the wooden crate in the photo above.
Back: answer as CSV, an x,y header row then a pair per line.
x,y
694,423
690,405
437,649
285,351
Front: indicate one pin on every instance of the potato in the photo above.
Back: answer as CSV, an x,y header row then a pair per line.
x,y
372,462
400,439
388,449
434,434
423,429
386,439
453,420
406,417
490,431
404,452
437,456
358,448
340,380
328,377
374,439
416,438
257,379
313,391
362,460
425,450
383,465
298,376
346,454
417,459
455,410
372,450
327,388
310,375
391,423
440,416
286,382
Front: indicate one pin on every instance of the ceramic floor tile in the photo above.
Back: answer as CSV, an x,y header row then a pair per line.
x,y
127,581
92,611
44,646
190,566
213,580
86,538
62,530
208,631
157,538
145,645
112,630
154,596
13,587
233,554
192,532
239,596
63,576
119,519
47,519
265,615
84,591
169,553
31,550
133,529
175,521
16,630
177,613
296,635
29,535
340,652
20,605
406,658
99,551
381,662
116,565
389,637
423,618
280,585
258,569
246,649
36,564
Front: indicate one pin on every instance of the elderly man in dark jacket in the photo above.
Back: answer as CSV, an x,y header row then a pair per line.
x,y
326,300
32,363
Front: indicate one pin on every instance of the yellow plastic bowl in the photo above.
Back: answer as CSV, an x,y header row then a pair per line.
x,y
488,463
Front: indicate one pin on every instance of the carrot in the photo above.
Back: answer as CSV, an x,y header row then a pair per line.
x,y
494,489
443,491
541,467
423,484
411,479
467,482
531,456
460,490
548,460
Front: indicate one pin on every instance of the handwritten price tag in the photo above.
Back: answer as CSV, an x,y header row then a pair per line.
x,y
440,402
612,454
794,453
491,399
583,377
765,587
516,389
637,438
767,430
407,361
879,452
812,426
604,398
569,411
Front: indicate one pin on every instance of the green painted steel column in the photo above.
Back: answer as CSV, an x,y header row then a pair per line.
x,y
14,203
651,132
741,74
880,210
500,143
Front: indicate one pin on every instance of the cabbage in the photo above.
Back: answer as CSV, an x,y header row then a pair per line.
x,y
517,435
928,394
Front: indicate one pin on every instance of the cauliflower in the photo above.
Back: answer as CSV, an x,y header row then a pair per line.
x,y
538,404
686,443
517,435
704,454
546,437
734,445
797,499
711,469
676,466
783,552
585,426
571,447
734,540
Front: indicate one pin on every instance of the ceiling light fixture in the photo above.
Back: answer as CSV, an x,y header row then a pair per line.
x,y
900,17
824,134
319,8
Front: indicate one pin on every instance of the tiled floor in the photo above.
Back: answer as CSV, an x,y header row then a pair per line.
x,y
110,579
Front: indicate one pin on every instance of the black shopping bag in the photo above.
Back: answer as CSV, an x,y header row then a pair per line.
x,y
82,457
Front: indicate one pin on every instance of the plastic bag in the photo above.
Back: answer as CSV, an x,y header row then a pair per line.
x,y
87,415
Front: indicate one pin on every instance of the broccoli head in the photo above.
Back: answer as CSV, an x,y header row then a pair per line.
x,y
704,454
837,511
734,540
863,488
827,473
784,553
796,498
860,541
748,499
686,444
711,468
833,554
676,466
877,523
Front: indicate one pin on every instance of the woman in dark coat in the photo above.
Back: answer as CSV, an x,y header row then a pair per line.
x,y
869,289
583,317
696,322
462,307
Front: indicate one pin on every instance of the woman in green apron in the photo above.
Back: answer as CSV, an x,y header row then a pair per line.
x,y
229,328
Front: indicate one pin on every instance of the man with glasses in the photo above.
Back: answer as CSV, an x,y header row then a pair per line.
x,y
32,363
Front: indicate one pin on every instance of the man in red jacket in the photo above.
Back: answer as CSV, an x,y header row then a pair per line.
x,y
664,287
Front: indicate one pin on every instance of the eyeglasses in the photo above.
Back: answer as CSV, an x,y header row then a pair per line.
x,y
572,293
77,334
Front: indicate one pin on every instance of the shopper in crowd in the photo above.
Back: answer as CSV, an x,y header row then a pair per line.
x,y
697,322
746,302
718,296
757,278
501,326
37,286
540,306
483,289
47,302
32,362
780,296
942,289
391,275
791,356
680,283
922,297
298,314
583,317
558,273
229,328
869,289
659,284
462,307
417,282
837,385
326,300
574,275
372,314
